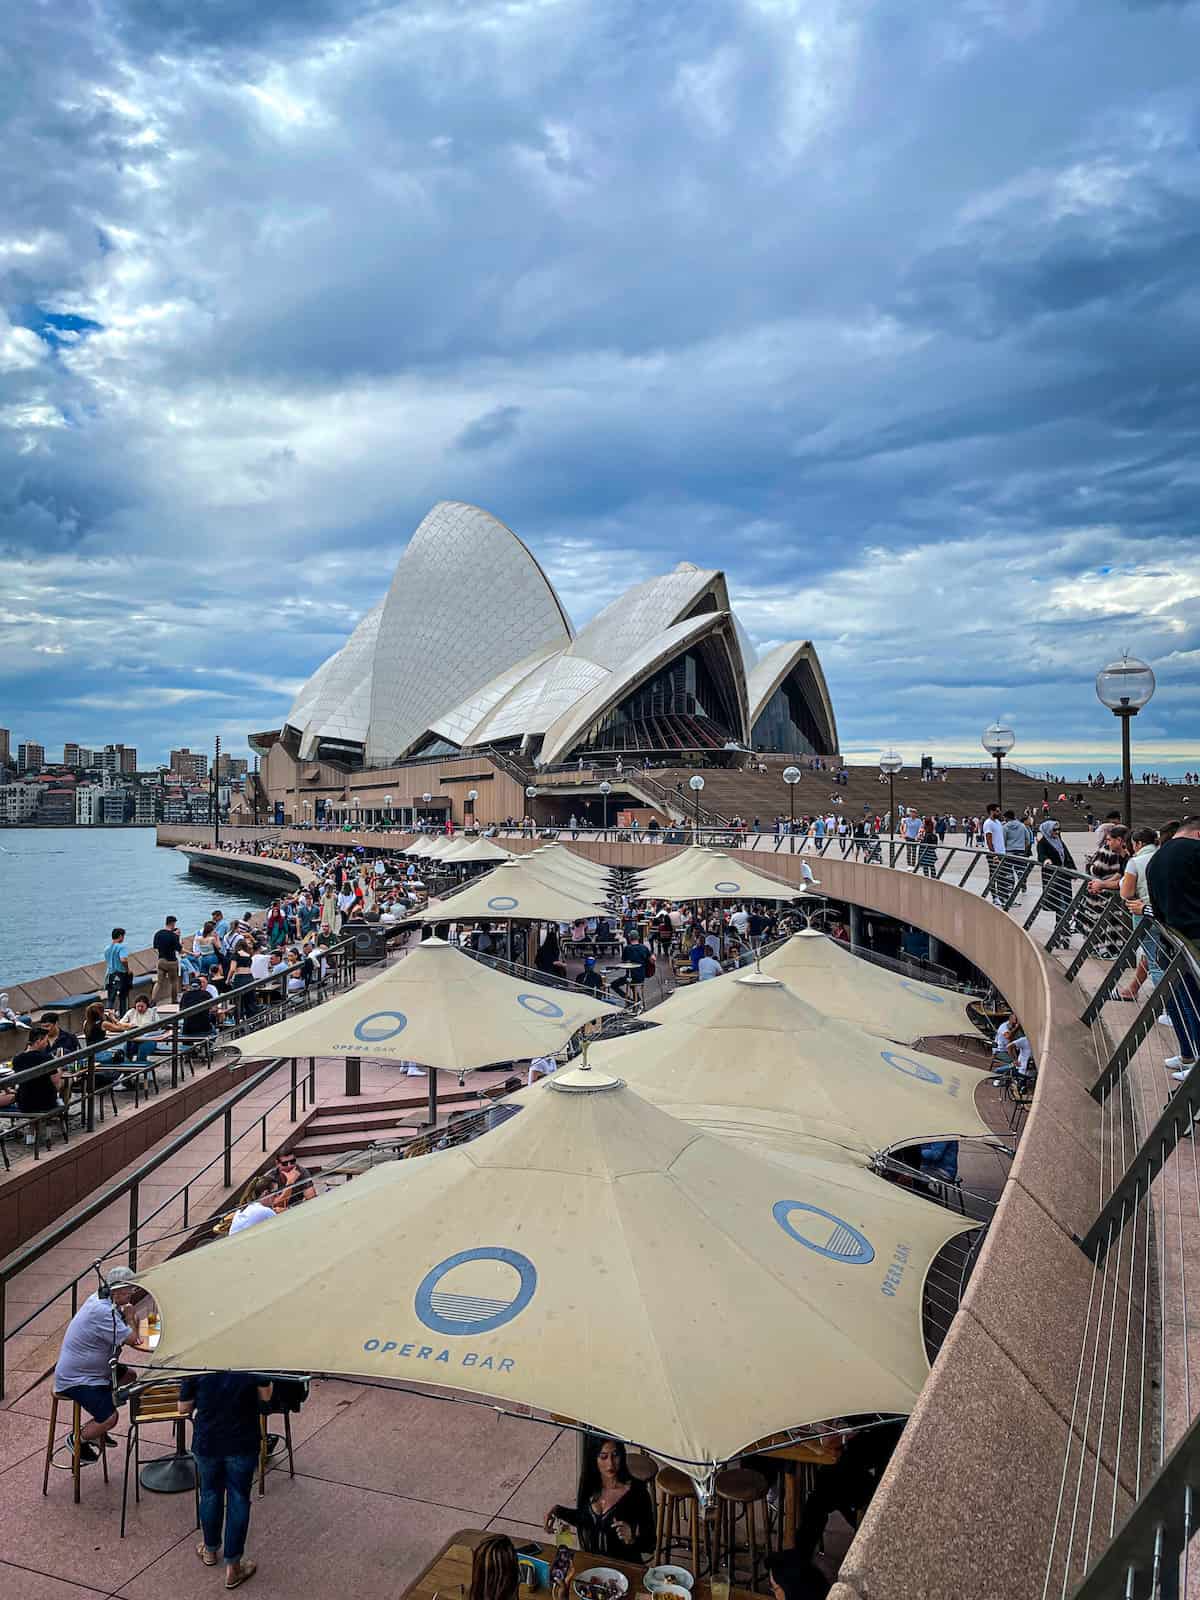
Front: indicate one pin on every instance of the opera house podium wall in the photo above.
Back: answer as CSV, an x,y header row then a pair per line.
x,y
967,1504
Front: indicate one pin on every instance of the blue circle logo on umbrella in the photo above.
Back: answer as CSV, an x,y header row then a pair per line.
x,y
380,1026
911,1068
823,1233
539,1005
921,994
726,887
502,902
455,1297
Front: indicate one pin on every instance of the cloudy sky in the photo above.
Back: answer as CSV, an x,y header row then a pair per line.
x,y
888,309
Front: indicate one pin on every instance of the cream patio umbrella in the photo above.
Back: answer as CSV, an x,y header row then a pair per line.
x,y
745,1056
591,1257
713,875
439,1006
831,977
589,871
468,850
512,891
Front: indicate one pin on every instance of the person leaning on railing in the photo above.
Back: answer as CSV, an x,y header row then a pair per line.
x,y
1173,878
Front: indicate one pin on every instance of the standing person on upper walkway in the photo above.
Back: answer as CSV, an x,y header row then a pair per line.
x,y
1173,878
168,947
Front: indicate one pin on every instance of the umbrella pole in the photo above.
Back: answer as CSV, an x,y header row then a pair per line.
x,y
433,1100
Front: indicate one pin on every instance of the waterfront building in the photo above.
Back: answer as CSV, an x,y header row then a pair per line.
x,y
116,804
18,802
57,805
31,757
5,748
89,805
146,804
471,649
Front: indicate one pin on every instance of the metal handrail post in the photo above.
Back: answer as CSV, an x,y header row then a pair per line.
x,y
133,1227
227,1171
1140,1028
1059,930
1177,1116
312,1080
175,1051
1105,988
1094,934
292,1102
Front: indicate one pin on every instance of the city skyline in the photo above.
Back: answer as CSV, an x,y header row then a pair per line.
x,y
886,313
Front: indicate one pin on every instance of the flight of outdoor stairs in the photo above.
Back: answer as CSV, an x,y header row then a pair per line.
x,y
965,792
346,1125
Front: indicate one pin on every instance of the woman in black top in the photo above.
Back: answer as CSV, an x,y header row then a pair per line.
x,y
612,1513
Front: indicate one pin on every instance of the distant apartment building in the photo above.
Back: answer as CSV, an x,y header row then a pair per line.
x,y
190,765
73,756
175,806
199,809
89,805
145,804
57,808
18,802
31,757
5,748
119,758
116,805
232,768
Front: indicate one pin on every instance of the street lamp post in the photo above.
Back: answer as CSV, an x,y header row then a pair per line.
x,y
425,799
998,740
531,796
387,800
791,776
606,790
472,796
1125,686
696,784
890,762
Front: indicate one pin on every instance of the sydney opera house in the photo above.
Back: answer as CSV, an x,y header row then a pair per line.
x,y
471,650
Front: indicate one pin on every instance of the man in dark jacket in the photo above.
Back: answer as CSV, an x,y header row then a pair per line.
x,y
1173,878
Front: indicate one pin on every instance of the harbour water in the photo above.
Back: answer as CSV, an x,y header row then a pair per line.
x,y
64,889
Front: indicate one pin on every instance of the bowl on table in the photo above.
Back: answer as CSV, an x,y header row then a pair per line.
x,y
668,1579
601,1583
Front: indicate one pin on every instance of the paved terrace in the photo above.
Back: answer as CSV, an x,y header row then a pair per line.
x,y
385,1475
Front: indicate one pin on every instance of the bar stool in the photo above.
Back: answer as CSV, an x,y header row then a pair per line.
x,y
76,1429
677,1499
739,1487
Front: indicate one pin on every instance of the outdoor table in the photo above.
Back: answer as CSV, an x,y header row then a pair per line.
x,y
448,1575
795,1458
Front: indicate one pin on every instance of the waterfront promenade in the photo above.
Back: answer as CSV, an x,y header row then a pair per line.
x,y
384,1477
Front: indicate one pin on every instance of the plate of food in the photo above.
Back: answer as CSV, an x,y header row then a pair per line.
x,y
601,1583
658,1578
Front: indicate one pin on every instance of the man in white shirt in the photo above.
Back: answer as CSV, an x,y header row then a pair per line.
x,y
259,965
910,828
740,920
256,1209
709,967
993,842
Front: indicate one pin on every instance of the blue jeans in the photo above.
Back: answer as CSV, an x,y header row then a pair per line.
x,y
225,1483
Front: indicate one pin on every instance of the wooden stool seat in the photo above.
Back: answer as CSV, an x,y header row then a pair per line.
x,y
642,1468
677,1502
741,1484
77,1431
739,1487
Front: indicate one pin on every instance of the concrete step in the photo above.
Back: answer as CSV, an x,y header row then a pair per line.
x,y
338,1144
357,1107
371,1123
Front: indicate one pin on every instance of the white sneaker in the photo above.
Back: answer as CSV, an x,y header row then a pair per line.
x,y
1180,1061
1181,1077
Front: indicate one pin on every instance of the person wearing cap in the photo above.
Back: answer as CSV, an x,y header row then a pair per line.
x,y
589,978
101,1327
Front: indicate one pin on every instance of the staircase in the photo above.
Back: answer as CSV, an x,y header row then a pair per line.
x,y
343,1126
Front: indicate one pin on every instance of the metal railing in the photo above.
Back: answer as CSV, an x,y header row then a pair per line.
x,y
299,1094
1124,1532
84,1065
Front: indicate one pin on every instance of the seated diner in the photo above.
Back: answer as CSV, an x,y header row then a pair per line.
x,y
612,1513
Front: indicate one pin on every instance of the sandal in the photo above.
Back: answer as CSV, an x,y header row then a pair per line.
x,y
237,1575
209,1557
